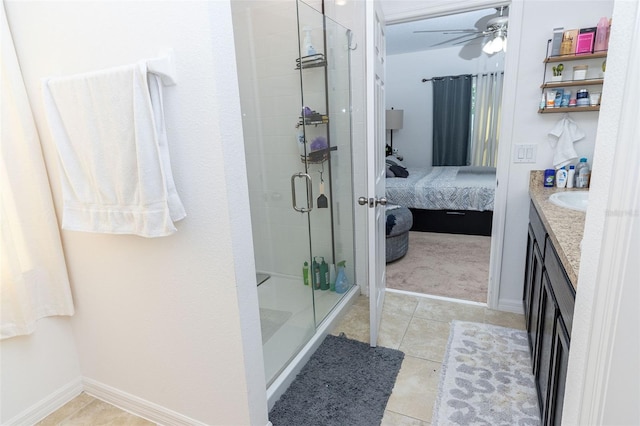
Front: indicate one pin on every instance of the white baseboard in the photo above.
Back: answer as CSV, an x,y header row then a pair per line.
x,y
138,406
48,405
511,305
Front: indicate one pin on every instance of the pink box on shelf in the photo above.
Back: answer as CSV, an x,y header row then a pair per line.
x,y
585,40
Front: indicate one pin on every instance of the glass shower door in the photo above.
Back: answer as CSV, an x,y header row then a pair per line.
x,y
326,121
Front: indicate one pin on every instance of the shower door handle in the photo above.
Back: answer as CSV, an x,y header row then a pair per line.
x,y
309,192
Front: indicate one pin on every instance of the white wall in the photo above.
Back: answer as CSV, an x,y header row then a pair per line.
x,y
41,368
531,128
406,91
159,319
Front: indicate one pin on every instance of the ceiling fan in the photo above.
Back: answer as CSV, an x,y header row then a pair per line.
x,y
496,32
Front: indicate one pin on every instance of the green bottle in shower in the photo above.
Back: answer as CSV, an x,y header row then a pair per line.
x,y
315,279
324,275
305,273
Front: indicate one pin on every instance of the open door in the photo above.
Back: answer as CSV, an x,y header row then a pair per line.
x,y
375,200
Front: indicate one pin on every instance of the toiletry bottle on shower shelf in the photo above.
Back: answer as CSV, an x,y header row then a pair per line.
x,y
305,273
308,46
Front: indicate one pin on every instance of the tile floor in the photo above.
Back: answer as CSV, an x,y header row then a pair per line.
x,y
418,326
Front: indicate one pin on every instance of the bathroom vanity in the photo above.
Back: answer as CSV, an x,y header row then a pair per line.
x,y
551,274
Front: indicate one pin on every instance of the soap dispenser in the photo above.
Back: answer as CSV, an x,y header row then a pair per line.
x,y
308,46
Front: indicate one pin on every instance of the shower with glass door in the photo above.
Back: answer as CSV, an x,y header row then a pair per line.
x,y
294,77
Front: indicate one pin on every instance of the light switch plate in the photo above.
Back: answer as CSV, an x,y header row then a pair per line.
x,y
524,153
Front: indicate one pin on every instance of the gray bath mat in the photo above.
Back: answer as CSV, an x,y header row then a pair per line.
x,y
345,382
486,378
271,320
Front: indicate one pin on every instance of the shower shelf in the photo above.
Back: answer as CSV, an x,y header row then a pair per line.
x,y
311,61
314,119
319,156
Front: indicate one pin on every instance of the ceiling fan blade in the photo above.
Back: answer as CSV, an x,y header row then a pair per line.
x,y
468,30
453,39
471,39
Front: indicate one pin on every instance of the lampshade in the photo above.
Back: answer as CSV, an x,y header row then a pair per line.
x,y
394,119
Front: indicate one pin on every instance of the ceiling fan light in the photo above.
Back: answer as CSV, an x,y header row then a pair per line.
x,y
488,47
497,44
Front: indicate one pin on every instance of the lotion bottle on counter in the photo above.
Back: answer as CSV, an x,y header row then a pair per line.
x,y
571,176
561,178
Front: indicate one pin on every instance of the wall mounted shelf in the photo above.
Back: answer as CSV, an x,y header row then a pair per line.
x,y
569,109
568,83
582,56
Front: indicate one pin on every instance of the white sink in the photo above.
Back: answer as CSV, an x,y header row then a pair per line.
x,y
574,200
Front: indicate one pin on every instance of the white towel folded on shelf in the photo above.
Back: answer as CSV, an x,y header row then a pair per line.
x,y
108,127
566,133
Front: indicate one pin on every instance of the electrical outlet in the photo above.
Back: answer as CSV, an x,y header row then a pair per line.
x,y
524,153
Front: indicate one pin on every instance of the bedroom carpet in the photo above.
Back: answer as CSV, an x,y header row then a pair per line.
x,y
448,265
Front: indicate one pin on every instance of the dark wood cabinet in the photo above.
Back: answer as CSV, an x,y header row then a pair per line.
x,y
548,299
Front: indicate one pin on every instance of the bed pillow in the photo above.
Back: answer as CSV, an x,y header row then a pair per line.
x,y
399,171
392,160
389,172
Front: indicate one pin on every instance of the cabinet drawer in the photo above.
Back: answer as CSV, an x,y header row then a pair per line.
x,y
562,288
538,228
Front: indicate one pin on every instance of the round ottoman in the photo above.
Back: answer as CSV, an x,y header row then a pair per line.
x,y
399,222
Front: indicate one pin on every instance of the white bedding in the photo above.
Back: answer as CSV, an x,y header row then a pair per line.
x,y
444,188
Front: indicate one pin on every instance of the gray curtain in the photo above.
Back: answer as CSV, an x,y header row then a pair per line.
x,y
451,119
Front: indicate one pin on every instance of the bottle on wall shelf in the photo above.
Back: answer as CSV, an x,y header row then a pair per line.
x,y
308,46
583,173
571,176
602,30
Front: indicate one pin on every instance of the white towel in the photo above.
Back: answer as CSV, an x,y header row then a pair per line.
x,y
566,132
108,127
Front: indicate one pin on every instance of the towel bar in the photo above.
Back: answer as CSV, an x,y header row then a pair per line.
x,y
165,67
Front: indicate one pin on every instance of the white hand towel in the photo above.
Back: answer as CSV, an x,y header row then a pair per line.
x,y
566,133
108,127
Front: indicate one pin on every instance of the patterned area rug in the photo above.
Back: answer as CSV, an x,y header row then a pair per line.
x,y
486,378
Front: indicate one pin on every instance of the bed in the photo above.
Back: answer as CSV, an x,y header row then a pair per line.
x,y
457,200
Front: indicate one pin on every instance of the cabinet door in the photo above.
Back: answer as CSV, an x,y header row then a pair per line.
x,y
526,291
546,326
533,321
560,362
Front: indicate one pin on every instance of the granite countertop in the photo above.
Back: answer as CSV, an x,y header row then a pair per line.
x,y
565,226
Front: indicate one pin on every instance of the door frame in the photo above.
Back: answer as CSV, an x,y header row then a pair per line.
x,y
437,8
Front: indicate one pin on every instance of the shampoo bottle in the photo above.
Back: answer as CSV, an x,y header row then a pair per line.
x,y
332,277
316,274
324,275
305,273
561,178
